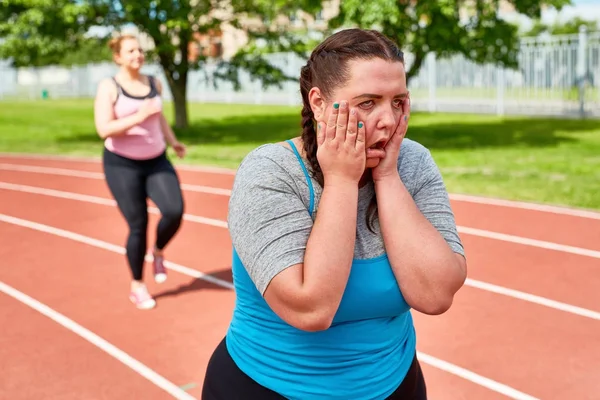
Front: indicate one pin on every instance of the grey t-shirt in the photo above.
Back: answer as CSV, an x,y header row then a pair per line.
x,y
269,222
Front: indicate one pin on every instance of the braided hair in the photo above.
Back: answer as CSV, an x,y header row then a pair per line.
x,y
327,68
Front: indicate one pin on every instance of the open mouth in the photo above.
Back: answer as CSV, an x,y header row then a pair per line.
x,y
380,145
376,150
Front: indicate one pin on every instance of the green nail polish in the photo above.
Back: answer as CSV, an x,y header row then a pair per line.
x,y
336,105
360,124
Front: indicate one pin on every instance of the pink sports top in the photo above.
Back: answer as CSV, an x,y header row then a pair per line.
x,y
143,141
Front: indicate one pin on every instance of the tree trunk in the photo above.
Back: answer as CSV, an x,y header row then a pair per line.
x,y
178,86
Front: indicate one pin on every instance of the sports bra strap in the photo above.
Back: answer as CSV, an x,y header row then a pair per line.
x,y
308,180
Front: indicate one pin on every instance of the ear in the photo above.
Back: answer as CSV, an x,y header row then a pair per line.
x,y
317,103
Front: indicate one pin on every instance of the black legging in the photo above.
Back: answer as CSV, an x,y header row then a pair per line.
x,y
131,182
224,380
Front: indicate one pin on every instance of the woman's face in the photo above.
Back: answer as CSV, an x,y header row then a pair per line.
x,y
377,90
131,55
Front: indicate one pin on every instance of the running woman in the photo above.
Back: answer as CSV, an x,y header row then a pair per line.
x,y
128,117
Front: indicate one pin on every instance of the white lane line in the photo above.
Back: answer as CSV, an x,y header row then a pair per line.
x,y
223,224
454,196
226,192
529,242
96,160
99,342
102,201
109,247
100,176
531,298
526,206
435,362
473,377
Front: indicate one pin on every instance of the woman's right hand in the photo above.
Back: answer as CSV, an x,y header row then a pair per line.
x,y
148,108
341,145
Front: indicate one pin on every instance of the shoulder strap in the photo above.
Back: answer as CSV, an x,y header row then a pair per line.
x,y
119,88
308,180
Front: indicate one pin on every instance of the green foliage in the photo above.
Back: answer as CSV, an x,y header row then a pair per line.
x,y
440,27
568,28
42,32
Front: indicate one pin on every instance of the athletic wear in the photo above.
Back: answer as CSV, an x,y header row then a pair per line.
x,y
226,381
131,182
145,140
141,298
370,347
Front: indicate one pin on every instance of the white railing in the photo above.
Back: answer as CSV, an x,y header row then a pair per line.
x,y
557,75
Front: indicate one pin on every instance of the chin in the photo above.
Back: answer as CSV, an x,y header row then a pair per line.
x,y
372,162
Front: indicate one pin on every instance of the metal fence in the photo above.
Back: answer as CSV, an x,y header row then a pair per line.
x,y
557,75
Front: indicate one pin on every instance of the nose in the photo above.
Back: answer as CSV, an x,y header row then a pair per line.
x,y
387,120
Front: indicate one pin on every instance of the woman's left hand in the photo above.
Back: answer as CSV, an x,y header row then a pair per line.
x,y
388,166
179,149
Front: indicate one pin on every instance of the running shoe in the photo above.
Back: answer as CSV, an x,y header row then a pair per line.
x,y
141,298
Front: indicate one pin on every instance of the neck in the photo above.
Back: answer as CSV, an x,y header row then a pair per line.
x,y
129,74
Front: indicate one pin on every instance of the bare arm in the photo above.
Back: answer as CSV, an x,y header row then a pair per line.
x,y
428,271
308,295
107,124
301,268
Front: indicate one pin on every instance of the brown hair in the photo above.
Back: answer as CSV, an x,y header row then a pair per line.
x,y
327,69
115,43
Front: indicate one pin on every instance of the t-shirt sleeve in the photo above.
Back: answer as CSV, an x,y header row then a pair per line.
x,y
269,223
431,197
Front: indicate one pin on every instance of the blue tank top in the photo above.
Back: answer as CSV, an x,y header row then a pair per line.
x,y
365,354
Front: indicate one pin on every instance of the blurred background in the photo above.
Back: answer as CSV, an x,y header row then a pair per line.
x,y
505,94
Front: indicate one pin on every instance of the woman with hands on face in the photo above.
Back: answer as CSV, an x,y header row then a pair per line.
x,y
337,235
128,117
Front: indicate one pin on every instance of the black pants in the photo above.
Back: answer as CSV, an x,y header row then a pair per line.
x,y
225,381
131,183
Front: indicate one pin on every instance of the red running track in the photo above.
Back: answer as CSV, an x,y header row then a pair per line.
x,y
65,251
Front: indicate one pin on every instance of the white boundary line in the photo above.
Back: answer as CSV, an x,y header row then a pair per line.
x,y
183,167
531,298
529,242
102,201
437,363
473,377
582,213
574,212
100,176
97,341
223,224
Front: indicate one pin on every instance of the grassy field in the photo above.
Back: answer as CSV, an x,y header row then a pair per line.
x,y
542,160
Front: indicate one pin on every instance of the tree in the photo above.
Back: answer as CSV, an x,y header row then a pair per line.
x,y
439,27
568,28
36,31
41,32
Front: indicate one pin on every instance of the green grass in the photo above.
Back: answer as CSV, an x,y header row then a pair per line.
x,y
543,160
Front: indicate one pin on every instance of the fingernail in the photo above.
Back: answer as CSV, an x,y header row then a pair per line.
x,y
353,111
336,105
344,104
360,124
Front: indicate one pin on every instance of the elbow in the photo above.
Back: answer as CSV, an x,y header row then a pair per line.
x,y
103,133
436,307
312,322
